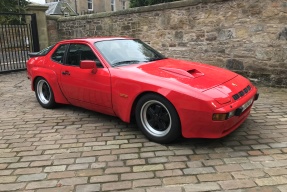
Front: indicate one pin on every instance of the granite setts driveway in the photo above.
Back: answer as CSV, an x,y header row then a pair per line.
x,y
73,149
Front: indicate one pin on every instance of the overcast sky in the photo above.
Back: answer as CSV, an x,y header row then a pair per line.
x,y
38,1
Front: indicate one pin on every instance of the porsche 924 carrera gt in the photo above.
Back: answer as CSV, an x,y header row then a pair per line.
x,y
125,77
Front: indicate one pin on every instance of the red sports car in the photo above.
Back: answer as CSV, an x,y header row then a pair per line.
x,y
124,77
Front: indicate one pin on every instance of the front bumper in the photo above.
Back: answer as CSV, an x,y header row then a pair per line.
x,y
202,125
241,109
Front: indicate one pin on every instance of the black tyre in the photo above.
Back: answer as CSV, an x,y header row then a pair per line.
x,y
157,118
44,93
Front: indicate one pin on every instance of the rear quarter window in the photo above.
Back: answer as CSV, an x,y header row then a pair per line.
x,y
58,55
46,50
43,52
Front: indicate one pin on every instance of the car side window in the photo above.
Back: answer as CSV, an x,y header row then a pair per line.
x,y
58,55
79,52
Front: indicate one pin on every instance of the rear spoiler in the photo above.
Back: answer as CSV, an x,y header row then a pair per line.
x,y
33,54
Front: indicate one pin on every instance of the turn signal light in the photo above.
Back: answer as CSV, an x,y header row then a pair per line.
x,y
219,116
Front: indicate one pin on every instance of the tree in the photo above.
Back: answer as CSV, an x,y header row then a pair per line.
x,y
12,6
139,3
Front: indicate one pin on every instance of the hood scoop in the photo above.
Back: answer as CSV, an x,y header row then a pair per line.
x,y
192,73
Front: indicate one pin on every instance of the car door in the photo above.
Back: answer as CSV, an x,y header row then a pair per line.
x,y
82,87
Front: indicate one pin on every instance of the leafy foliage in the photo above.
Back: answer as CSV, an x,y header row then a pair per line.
x,y
139,3
12,6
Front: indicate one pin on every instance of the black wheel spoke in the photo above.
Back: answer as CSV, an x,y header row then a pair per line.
x,y
46,92
150,112
152,122
158,117
164,117
47,95
161,126
158,109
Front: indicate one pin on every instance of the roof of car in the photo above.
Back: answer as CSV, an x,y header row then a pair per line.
x,y
94,39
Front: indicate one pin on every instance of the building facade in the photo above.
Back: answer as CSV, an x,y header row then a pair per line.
x,y
95,6
60,8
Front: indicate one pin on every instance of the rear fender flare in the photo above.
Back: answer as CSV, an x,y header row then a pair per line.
x,y
52,79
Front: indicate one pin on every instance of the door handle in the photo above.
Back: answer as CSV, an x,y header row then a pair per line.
x,y
66,73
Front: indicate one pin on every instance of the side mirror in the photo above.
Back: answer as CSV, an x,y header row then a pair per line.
x,y
89,64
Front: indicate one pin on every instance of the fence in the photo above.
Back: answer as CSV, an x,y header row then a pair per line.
x,y
16,40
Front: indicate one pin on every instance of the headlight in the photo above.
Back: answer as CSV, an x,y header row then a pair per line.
x,y
222,116
219,116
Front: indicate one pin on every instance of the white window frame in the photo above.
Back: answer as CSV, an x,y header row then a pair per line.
x,y
113,5
92,4
66,14
123,4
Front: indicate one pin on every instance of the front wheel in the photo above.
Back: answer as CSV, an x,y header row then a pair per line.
x,y
157,118
44,93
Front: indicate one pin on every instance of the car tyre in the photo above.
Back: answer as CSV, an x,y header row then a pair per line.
x,y
44,93
157,118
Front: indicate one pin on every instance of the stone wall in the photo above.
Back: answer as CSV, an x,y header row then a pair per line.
x,y
52,26
246,36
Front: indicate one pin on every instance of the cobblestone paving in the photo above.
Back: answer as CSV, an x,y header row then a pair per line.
x,y
72,149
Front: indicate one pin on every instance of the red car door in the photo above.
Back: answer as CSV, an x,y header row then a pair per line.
x,y
81,87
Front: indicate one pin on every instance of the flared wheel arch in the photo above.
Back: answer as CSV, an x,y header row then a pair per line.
x,y
133,109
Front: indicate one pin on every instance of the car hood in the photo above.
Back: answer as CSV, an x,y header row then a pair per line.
x,y
197,75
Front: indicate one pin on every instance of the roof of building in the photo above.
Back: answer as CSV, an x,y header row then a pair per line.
x,y
60,8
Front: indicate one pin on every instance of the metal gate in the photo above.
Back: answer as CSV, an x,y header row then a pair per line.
x,y
17,40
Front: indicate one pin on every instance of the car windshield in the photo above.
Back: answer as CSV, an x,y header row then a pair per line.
x,y
121,52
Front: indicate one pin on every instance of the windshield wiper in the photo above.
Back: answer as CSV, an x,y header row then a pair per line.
x,y
126,62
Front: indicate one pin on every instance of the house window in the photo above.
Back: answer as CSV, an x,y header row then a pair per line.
x,y
113,7
90,5
66,14
124,4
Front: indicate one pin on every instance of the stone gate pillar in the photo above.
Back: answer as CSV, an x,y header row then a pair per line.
x,y
39,10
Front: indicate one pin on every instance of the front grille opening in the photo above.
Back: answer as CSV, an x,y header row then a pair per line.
x,y
241,93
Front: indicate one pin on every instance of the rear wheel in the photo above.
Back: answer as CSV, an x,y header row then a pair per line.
x,y
157,118
44,93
